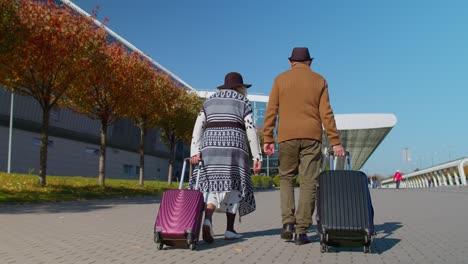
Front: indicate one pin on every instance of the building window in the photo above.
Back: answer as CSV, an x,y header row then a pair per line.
x,y
128,170
137,170
55,114
37,142
158,175
94,151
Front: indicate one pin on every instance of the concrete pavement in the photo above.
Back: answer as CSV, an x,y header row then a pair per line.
x,y
413,226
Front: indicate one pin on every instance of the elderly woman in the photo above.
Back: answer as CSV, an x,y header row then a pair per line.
x,y
222,135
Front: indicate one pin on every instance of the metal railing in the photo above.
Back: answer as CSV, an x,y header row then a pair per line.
x,y
447,174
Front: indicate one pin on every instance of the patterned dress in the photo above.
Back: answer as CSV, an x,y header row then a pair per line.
x,y
223,132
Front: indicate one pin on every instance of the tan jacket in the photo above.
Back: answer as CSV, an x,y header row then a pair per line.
x,y
300,99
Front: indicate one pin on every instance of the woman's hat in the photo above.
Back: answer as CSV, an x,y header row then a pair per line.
x,y
300,54
232,80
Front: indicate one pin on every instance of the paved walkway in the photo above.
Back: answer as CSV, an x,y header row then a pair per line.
x,y
413,226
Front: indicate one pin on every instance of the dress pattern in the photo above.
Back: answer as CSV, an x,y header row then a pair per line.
x,y
224,147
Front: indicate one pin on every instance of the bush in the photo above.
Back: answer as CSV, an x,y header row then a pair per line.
x,y
262,182
256,180
276,180
267,182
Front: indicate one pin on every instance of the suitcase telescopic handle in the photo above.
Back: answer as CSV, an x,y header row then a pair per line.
x,y
331,154
183,173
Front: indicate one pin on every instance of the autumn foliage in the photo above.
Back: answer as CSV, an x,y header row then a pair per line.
x,y
177,126
63,59
103,92
153,94
54,50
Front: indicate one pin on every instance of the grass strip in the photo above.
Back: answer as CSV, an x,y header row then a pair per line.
x,y
24,188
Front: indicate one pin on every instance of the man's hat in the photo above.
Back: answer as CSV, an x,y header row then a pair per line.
x,y
232,80
300,54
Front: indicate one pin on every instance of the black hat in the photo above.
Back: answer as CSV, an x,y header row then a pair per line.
x,y
232,80
300,54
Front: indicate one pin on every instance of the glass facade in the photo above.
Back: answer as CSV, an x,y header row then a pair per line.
x,y
259,109
270,163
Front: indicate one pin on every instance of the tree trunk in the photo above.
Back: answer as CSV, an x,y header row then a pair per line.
x,y
171,157
102,154
44,145
142,155
169,174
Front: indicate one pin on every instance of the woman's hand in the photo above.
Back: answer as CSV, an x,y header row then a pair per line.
x,y
195,159
257,167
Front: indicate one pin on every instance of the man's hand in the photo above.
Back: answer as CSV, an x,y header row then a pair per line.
x,y
257,167
339,151
195,159
269,148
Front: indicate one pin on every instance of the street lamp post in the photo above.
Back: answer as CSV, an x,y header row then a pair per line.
x,y
406,157
268,165
10,136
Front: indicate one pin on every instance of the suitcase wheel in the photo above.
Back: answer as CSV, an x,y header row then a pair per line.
x,y
323,247
159,246
366,249
158,240
367,243
191,240
192,246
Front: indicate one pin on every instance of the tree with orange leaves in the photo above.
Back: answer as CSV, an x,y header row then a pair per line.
x,y
153,94
11,34
52,57
177,125
104,92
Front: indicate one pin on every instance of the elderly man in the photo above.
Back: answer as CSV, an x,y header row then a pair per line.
x,y
299,98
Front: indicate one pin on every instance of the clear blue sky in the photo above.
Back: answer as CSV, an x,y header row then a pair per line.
x,y
409,58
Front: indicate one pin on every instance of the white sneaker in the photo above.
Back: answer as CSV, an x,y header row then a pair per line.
x,y
229,235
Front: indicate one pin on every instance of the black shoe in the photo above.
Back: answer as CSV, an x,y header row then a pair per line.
x,y
301,239
288,230
207,232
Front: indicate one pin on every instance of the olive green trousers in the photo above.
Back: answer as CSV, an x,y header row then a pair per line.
x,y
299,158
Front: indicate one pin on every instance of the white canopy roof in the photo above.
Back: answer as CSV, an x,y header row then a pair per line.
x,y
361,134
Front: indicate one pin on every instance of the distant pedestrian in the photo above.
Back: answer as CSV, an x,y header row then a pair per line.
x,y
375,183
397,178
429,181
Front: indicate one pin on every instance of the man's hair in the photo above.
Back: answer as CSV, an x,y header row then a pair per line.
x,y
301,62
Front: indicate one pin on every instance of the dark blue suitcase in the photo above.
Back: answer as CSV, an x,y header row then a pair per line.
x,y
345,216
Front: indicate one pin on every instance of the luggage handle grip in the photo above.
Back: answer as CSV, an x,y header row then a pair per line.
x,y
183,173
332,159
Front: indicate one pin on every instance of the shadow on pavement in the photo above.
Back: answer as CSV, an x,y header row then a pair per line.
x,y
380,243
75,206
220,242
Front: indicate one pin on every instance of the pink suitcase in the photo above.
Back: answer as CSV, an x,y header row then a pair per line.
x,y
179,217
